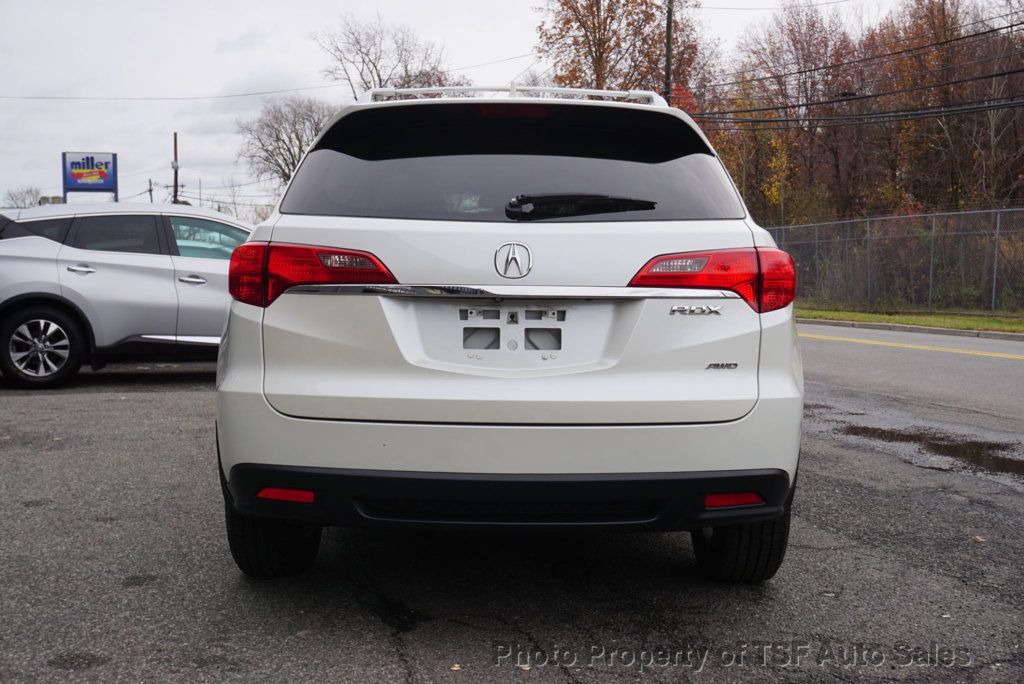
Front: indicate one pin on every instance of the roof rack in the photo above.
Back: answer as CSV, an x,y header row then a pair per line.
x,y
643,96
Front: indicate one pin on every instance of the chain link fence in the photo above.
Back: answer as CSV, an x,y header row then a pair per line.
x,y
954,262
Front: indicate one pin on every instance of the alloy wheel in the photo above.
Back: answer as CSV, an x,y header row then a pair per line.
x,y
39,348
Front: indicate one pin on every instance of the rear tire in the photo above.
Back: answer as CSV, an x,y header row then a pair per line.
x,y
748,552
41,347
266,547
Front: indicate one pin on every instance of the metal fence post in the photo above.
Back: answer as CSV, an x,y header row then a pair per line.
x,y
995,261
817,266
931,266
869,261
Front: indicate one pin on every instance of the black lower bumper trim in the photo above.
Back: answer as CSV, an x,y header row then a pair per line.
x,y
647,501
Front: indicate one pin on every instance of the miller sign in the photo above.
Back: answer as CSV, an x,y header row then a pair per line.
x,y
90,172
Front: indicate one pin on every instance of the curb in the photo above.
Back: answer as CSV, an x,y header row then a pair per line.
x,y
901,327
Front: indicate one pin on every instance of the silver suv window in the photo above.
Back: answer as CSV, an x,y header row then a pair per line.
x,y
51,229
196,237
125,233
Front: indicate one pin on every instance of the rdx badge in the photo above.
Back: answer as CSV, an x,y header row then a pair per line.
x,y
695,310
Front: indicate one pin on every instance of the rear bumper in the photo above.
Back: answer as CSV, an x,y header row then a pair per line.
x,y
646,501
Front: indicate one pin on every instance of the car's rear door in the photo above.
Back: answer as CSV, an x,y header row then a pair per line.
x,y
116,269
28,255
500,320
200,251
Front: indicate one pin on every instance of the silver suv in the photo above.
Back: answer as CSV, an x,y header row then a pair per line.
x,y
93,283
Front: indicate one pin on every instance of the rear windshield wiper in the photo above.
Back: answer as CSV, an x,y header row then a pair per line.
x,y
536,207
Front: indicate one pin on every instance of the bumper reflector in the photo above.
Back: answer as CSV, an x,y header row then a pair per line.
x,y
731,499
283,494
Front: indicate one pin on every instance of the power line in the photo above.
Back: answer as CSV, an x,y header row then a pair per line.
x,y
532,64
777,7
867,115
237,185
257,93
873,117
483,64
854,98
224,187
219,195
227,201
167,98
155,168
879,79
986,20
869,58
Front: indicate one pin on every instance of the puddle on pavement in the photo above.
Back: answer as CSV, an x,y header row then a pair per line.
x,y
975,453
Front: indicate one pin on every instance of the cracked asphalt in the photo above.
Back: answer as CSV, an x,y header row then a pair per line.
x,y
905,560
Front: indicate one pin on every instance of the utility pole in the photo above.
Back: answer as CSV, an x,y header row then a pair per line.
x,y
668,50
150,190
200,192
174,165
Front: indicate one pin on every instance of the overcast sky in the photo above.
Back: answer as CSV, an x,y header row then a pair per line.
x,y
192,48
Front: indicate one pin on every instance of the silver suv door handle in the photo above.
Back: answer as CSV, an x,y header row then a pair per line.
x,y
84,269
193,279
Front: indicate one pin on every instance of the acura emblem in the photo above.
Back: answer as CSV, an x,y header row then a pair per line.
x,y
513,260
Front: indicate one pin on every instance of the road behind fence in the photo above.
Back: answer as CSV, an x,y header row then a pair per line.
x,y
958,262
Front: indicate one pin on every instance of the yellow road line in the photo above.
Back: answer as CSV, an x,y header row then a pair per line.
x,y
900,345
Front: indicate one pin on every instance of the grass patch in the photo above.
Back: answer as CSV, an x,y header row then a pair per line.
x,y
932,320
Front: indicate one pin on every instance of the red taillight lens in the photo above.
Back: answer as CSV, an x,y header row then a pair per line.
x,y
764,278
245,273
258,275
778,279
287,494
730,499
729,269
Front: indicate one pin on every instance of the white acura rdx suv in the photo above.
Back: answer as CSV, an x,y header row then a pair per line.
x,y
544,309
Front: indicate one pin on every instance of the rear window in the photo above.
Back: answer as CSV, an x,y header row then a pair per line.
x,y
135,234
467,161
51,229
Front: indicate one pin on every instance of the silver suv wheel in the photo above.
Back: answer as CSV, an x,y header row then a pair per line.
x,y
39,347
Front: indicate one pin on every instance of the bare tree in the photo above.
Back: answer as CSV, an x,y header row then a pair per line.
x,y
275,140
373,54
22,198
536,79
258,213
229,203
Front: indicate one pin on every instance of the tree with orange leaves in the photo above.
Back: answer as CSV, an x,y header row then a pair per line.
x,y
615,44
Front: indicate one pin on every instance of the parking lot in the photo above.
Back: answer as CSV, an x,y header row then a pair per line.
x,y
904,561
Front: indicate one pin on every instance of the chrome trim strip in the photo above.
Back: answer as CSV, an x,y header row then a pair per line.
x,y
199,339
512,292
184,339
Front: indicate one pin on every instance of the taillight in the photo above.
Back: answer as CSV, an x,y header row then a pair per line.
x,y
245,273
260,271
763,277
778,279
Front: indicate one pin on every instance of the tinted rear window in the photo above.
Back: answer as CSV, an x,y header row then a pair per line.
x,y
465,161
51,229
135,234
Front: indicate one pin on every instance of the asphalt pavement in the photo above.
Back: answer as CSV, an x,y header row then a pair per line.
x,y
905,560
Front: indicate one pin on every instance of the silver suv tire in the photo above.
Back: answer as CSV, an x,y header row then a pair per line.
x,y
41,347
